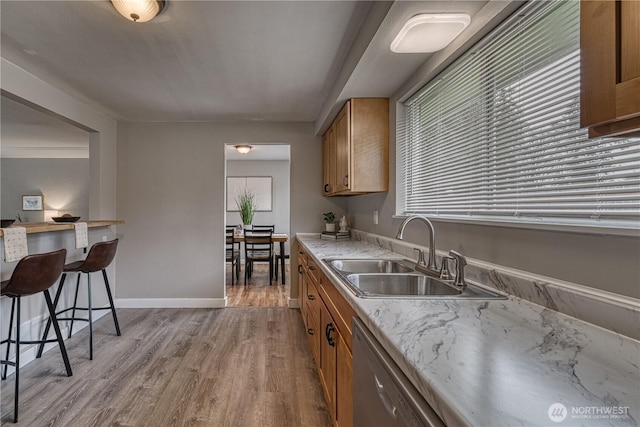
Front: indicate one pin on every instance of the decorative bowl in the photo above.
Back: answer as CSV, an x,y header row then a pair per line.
x,y
6,222
65,218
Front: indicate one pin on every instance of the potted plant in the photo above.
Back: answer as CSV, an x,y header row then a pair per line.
x,y
246,202
330,221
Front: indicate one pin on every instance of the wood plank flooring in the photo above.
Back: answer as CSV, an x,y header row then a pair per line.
x,y
258,292
242,367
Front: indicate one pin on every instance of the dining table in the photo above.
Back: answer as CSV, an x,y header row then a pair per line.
x,y
280,238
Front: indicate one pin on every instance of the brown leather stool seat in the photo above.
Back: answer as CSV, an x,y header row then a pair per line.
x,y
33,274
100,256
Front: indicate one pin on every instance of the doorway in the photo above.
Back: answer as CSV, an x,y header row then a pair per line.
x,y
266,170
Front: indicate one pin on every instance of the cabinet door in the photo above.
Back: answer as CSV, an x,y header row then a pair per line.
x,y
329,161
327,369
344,384
342,136
610,66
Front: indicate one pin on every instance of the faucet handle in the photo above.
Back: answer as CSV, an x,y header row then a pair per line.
x,y
445,274
461,261
421,260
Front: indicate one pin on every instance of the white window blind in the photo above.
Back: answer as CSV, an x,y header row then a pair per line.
x,y
497,134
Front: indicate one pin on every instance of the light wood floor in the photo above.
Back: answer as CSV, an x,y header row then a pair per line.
x,y
258,292
177,367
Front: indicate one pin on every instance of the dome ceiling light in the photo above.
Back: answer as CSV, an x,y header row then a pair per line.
x,y
243,149
139,10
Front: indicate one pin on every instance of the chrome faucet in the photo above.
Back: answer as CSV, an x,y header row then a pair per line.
x,y
431,265
461,261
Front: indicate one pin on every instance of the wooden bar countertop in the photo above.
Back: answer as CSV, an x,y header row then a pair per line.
x,y
45,227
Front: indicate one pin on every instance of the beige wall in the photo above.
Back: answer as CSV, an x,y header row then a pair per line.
x,y
171,195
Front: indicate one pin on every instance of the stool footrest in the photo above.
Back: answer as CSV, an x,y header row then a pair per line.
x,y
80,319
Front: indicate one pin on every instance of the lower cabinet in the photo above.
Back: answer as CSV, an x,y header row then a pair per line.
x,y
327,318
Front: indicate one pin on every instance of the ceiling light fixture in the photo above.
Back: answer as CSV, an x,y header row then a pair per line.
x,y
426,33
243,149
138,10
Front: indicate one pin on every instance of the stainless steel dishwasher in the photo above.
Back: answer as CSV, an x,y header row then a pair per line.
x,y
382,394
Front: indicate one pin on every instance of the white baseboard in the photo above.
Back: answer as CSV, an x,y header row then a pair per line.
x,y
171,302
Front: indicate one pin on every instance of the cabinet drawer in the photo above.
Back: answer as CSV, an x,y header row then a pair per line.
x,y
312,299
313,333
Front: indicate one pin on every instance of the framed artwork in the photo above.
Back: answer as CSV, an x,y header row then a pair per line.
x,y
32,203
260,186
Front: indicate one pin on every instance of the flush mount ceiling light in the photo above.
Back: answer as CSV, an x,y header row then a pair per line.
x,y
138,10
243,149
426,33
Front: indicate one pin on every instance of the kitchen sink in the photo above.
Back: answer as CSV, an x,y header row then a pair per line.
x,y
397,278
400,284
371,266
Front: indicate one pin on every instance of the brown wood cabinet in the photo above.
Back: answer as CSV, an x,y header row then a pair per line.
x,y
356,149
327,317
610,67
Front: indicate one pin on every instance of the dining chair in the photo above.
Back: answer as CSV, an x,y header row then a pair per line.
x,y
232,254
258,247
272,228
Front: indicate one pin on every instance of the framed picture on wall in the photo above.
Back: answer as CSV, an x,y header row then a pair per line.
x,y
32,203
260,186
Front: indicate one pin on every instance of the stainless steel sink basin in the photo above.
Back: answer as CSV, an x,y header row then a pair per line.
x,y
370,266
397,278
400,284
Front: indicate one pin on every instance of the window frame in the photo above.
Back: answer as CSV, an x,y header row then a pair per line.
x,y
581,225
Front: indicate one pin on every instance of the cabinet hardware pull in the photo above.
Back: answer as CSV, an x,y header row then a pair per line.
x,y
311,297
299,268
326,188
327,331
345,181
310,331
311,267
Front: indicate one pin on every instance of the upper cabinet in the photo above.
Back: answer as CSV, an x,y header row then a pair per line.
x,y
610,67
356,149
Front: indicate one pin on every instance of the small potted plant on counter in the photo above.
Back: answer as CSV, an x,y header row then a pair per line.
x,y
330,221
246,202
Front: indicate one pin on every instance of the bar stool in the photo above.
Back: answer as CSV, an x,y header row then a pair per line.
x,y
100,256
33,274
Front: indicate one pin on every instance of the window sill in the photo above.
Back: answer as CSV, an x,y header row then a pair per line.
x,y
589,227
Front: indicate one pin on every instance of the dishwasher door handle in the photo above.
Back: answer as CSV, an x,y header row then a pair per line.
x,y
391,409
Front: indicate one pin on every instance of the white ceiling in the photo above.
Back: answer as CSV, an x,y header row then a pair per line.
x,y
220,60
197,61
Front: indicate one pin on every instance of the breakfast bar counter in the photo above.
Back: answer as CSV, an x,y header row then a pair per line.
x,y
44,227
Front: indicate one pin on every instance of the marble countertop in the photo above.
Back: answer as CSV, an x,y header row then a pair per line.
x,y
498,362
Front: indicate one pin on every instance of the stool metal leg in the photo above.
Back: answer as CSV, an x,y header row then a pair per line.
x,y
55,304
75,304
90,316
4,369
113,307
17,374
56,328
